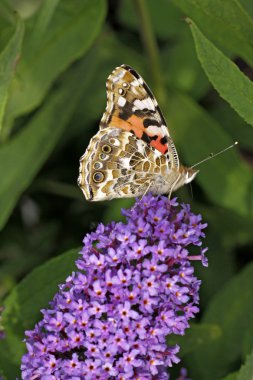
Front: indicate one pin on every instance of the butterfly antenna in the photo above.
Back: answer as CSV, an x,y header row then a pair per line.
x,y
211,155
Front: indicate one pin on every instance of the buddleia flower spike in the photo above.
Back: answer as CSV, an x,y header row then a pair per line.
x,y
134,286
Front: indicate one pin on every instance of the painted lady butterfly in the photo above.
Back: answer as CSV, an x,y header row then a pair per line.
x,y
132,153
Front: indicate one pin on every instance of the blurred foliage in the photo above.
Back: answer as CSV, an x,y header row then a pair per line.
x,y
197,56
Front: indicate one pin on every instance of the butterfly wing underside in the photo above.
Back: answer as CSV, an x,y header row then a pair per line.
x,y
133,148
131,106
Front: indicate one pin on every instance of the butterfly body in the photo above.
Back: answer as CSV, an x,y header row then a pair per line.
x,y
133,152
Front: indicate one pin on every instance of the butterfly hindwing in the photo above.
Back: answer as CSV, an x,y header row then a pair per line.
x,y
116,164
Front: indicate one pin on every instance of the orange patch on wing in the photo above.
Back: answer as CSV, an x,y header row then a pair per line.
x,y
117,122
135,125
163,148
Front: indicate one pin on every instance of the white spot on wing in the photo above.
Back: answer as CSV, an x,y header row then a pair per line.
x,y
135,83
114,142
121,101
116,77
154,130
145,103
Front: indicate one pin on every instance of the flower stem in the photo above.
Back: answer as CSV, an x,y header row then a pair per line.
x,y
150,47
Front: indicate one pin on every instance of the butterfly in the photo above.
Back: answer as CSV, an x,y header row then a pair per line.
x,y
133,152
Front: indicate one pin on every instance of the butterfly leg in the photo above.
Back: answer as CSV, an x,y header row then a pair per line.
x,y
173,185
147,189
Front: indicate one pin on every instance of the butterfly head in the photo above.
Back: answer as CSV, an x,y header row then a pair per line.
x,y
181,177
189,174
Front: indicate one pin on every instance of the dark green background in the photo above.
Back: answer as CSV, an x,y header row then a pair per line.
x,y
197,57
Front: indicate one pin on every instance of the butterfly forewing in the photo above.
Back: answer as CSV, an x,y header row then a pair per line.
x,y
131,106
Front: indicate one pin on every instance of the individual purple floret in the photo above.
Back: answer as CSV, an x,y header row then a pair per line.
x,y
134,286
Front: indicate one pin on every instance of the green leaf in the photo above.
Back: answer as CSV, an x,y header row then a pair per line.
x,y
248,6
225,22
23,305
227,79
8,61
165,18
223,237
181,67
40,23
247,346
23,155
229,309
7,362
18,257
246,372
25,8
195,337
232,376
66,34
226,180
233,124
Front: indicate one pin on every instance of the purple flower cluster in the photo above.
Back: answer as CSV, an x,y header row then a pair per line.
x,y
135,285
